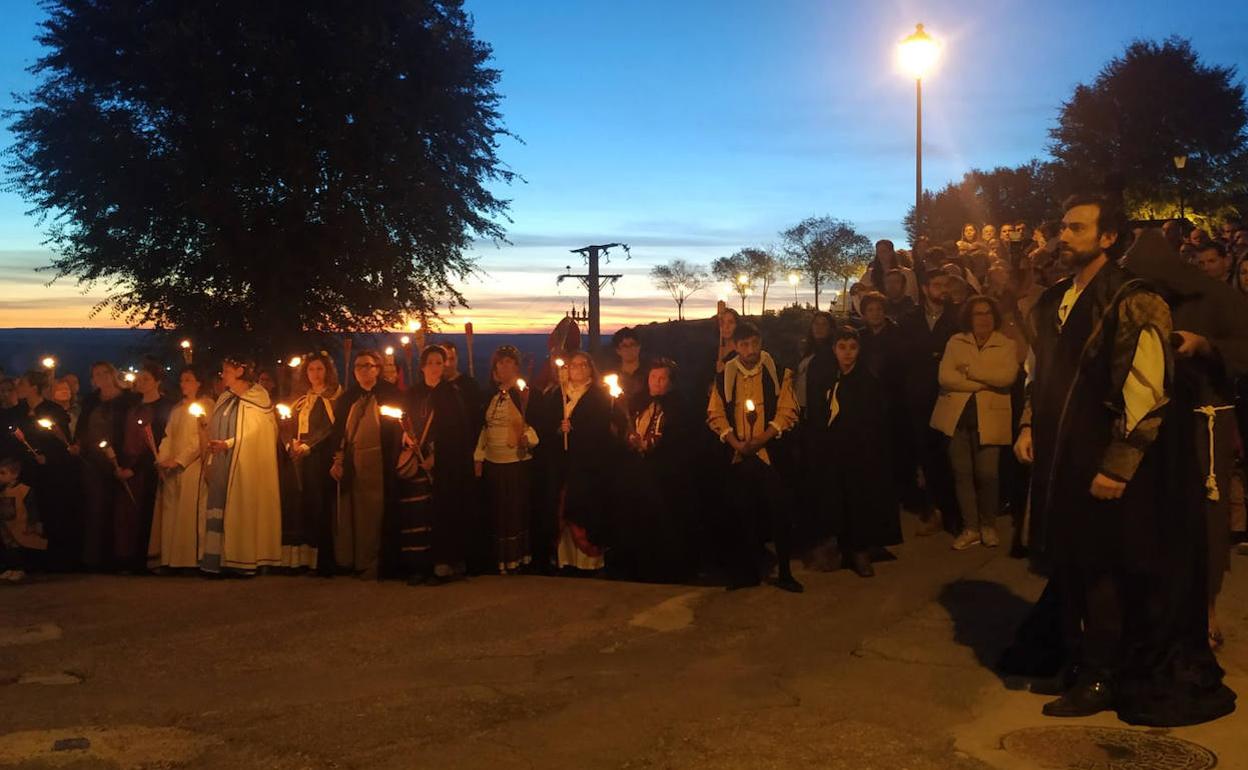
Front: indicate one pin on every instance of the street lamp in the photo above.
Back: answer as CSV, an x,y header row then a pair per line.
x,y
793,279
743,286
1180,163
916,55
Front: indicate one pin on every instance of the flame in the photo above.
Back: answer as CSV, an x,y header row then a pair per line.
x,y
128,377
413,326
389,350
749,405
559,362
612,380
44,422
405,340
196,410
295,362
186,344
392,411
616,391
48,362
103,445
283,411
521,385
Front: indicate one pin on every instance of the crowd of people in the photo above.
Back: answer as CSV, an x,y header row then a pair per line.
x,y
1086,389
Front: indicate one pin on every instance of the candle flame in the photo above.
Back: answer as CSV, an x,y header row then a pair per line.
x,y
103,445
405,340
616,391
283,411
196,410
128,377
186,344
521,385
295,361
44,422
392,411
749,405
612,380
140,422
389,350
48,362
559,362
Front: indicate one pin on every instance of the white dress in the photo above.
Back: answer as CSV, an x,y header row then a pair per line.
x,y
176,520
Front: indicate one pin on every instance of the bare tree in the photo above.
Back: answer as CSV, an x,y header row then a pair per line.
x,y
680,279
743,269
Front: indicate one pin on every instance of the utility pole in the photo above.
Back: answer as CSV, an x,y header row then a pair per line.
x,y
594,281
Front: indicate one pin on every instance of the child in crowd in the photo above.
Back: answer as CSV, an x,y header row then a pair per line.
x,y
21,534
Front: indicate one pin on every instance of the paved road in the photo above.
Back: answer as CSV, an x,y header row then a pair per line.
x,y
528,672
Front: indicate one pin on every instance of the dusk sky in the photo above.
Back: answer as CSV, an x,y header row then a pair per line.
x,y
695,128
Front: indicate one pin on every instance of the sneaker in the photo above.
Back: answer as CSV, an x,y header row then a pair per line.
x,y
988,536
968,538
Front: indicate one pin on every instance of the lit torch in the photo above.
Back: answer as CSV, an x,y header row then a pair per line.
x,y
188,354
49,363
52,428
112,458
148,436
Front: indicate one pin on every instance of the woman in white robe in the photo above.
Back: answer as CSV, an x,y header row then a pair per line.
x,y
176,522
242,507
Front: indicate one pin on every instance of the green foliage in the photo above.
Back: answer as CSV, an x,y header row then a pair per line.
x,y
988,197
283,167
825,248
1154,102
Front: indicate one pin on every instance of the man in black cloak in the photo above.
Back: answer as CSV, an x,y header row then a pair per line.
x,y
1126,542
1211,335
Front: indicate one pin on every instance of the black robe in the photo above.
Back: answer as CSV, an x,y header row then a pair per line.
x,y
652,529
584,472
55,481
1153,535
454,504
859,498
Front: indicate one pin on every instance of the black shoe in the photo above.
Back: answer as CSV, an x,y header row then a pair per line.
x,y
789,584
1083,700
860,563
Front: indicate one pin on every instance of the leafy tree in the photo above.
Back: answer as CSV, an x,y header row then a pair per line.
x,y
680,279
995,197
1154,102
824,248
731,269
255,171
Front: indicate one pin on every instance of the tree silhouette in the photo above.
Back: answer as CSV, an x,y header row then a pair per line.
x,y
255,171
731,269
680,279
824,248
1154,102
1002,195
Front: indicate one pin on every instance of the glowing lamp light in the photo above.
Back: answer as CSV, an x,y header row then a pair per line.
x,y
749,405
1180,162
413,326
917,53
196,410
186,344
405,340
521,385
295,362
283,411
393,412
48,362
793,279
45,423
743,279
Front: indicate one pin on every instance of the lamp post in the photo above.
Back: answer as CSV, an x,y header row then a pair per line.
x,y
743,285
916,55
1180,163
793,279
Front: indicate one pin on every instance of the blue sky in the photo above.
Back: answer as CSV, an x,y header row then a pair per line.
x,y
694,128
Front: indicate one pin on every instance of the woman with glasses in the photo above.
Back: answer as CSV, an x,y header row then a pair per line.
x,y
976,372
364,466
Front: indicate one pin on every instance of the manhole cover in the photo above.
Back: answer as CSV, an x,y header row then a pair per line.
x,y
1106,748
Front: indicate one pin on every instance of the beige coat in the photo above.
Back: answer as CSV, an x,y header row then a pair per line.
x,y
965,369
